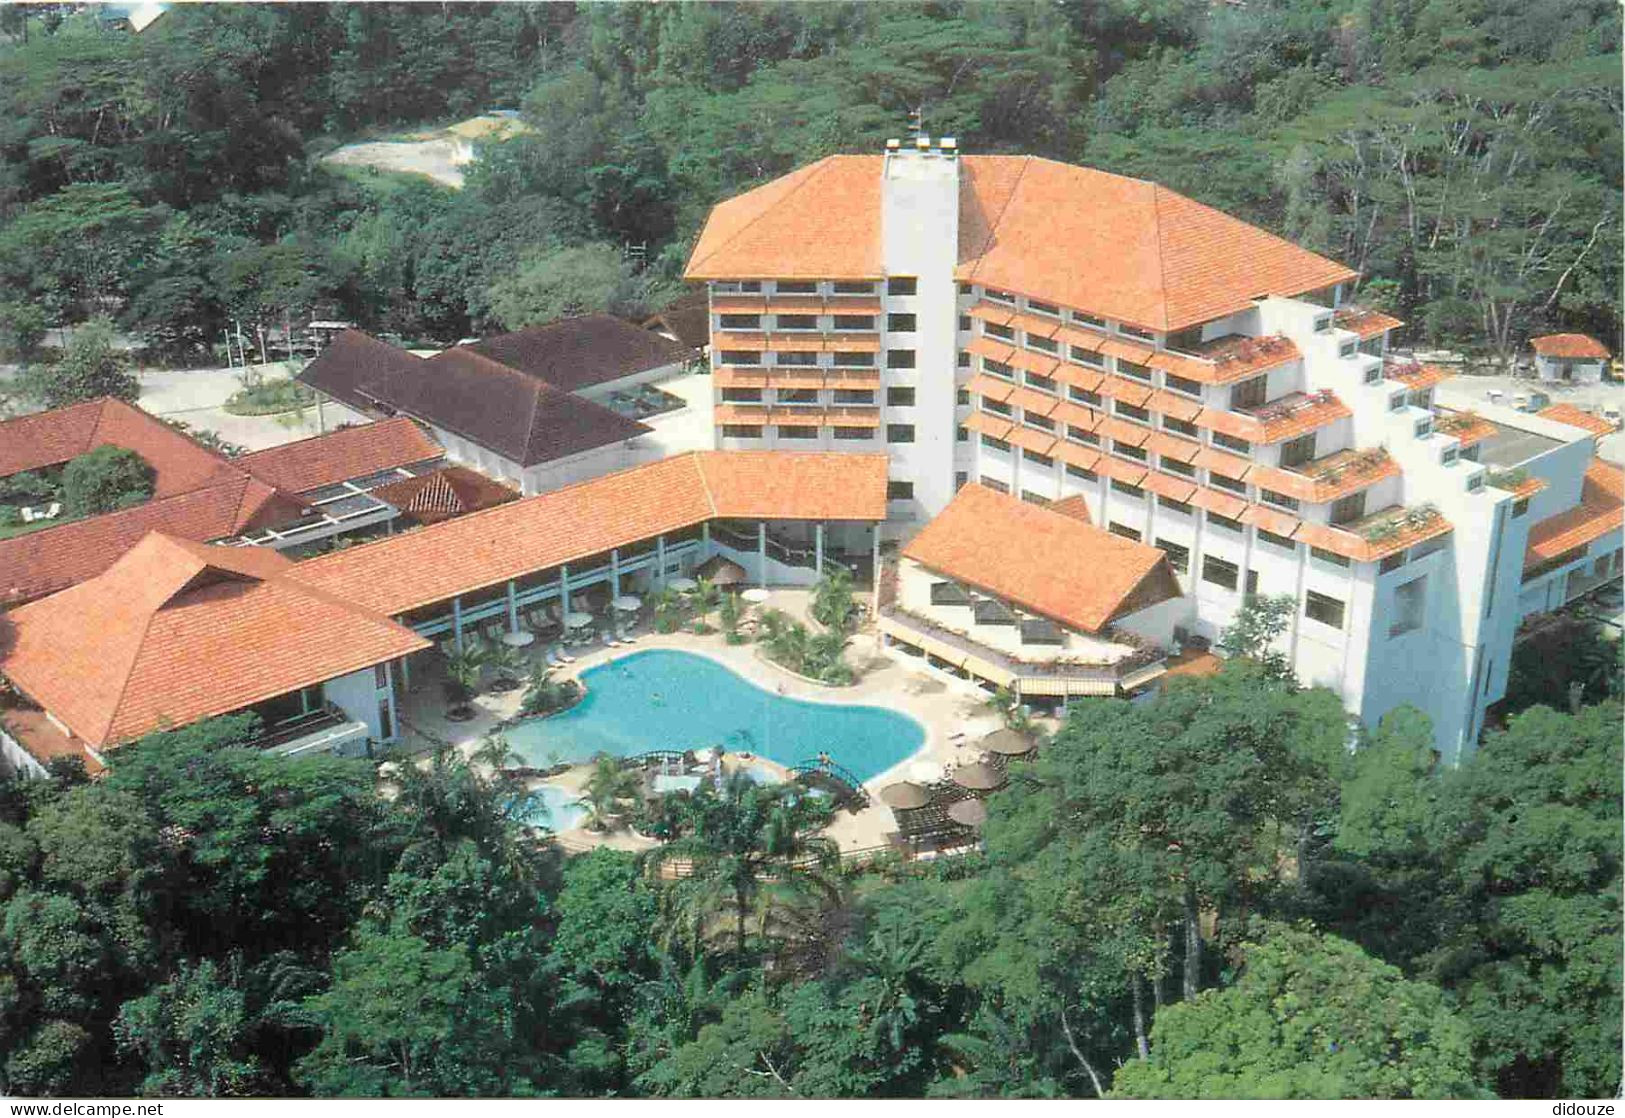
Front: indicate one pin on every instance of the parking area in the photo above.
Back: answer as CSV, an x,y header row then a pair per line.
x,y
1471,390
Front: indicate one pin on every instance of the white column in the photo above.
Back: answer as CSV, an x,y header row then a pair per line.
x,y
615,572
818,549
564,588
457,623
513,609
705,541
660,558
761,554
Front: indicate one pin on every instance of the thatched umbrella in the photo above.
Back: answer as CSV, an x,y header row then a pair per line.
x,y
970,813
978,777
1008,743
721,571
904,796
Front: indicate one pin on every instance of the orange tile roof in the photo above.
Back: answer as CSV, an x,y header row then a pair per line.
x,y
1235,357
1222,503
176,631
987,423
1166,485
1084,458
1528,487
1077,415
485,549
444,493
1228,465
1366,323
750,415
1310,414
1466,427
45,742
1122,431
1046,561
1574,417
985,384
1194,662
341,455
51,438
1032,401
1074,506
1180,407
1349,542
1118,247
1119,470
1580,346
1169,446
1601,510
1415,375
1036,441
1270,520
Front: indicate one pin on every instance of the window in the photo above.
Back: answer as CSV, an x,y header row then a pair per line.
x,y
1424,427
1252,584
1449,457
1410,605
1124,450
1080,356
1044,308
798,396
1185,340
1133,369
853,287
1397,403
1129,411
796,321
1036,458
1475,483
900,323
796,287
1042,383
1274,540
899,490
1346,510
797,432
965,322
998,368
854,396
995,444
741,357
899,432
900,397
1216,521
1392,562
1033,419
747,287
1180,427
962,397
962,434
1219,481
993,329
1175,466
386,726
1428,547
1179,556
741,395
960,478
1175,506
1080,473
740,431
854,322
741,322
1034,498
1220,572
1281,500
1248,394
1079,435
1123,530
846,360
995,484
1230,442
1088,320
1127,490
902,285
855,434
1046,345
1083,395
803,360
1331,557
997,407
1182,385
963,361
1135,331
1520,506
1324,609
1297,452
1422,399
998,296
899,359
1323,324
380,672
1348,348
1373,374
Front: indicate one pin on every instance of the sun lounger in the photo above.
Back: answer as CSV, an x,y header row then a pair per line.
x,y
54,511
29,515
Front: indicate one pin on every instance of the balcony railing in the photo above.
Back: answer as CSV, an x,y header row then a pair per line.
x,y
1106,671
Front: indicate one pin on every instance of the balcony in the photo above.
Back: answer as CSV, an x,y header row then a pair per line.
x,y
329,730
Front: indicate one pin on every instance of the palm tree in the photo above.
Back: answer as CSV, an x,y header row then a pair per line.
x,y
511,666
606,792
744,836
463,677
668,609
832,603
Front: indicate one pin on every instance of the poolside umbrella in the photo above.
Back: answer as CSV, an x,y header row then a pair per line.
x,y
971,813
577,620
926,772
682,584
978,777
626,603
756,595
722,571
904,796
1008,743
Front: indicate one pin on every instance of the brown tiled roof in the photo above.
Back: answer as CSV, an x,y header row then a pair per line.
x,y
577,353
1366,323
1580,346
45,742
1235,356
52,559
358,369
1601,510
565,525
1574,417
53,437
444,493
688,320
1117,247
1415,375
341,455
1045,561
1349,541
176,631
1466,427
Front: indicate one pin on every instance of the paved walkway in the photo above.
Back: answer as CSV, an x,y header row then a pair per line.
x,y
198,396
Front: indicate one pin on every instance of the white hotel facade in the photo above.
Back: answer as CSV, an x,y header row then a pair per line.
x,y
1054,332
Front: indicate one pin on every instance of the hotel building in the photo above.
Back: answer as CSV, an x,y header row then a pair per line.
x,y
1174,376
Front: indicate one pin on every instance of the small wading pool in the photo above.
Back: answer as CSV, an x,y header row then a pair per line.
x,y
664,699
556,809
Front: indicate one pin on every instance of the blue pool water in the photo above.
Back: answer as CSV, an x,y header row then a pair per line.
x,y
661,699
556,809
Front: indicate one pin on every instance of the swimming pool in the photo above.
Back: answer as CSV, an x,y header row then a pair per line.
x,y
556,809
664,699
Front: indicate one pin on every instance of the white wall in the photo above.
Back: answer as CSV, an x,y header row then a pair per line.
x,y
358,695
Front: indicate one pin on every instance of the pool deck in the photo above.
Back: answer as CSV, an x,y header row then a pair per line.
x,y
951,711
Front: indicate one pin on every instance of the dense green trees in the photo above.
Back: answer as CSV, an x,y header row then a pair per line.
x,y
107,478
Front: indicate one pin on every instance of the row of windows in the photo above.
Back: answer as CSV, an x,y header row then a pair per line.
x,y
895,432
896,323
1009,299
895,285
841,360
895,397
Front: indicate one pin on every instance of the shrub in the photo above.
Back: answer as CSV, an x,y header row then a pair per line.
x,y
107,478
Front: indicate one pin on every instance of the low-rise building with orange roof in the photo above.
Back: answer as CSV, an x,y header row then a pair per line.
x,y
1569,358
